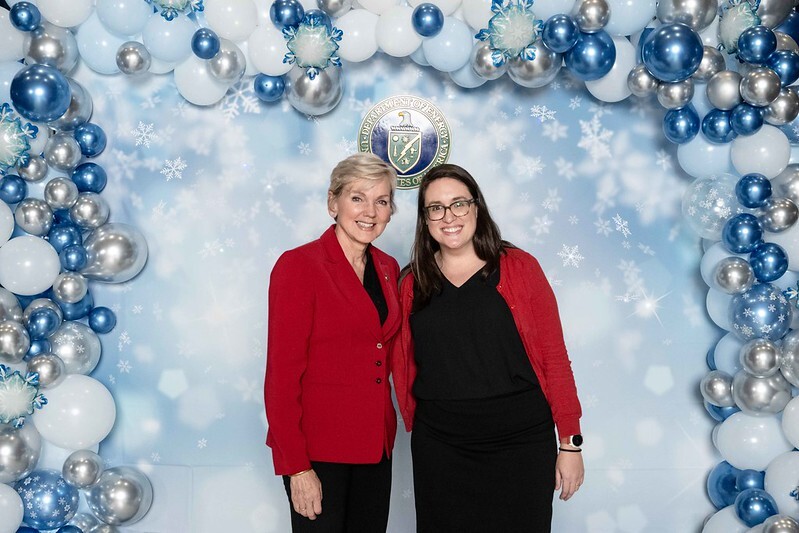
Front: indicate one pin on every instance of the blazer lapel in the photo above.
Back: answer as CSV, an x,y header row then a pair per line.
x,y
390,291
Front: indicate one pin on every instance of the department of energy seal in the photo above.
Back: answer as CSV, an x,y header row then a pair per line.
x,y
409,133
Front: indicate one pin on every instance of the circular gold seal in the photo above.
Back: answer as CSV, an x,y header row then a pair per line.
x,y
409,133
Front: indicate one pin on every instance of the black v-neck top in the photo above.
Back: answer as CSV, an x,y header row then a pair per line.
x,y
371,282
467,346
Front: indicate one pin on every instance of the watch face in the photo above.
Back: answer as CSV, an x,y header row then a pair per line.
x,y
577,440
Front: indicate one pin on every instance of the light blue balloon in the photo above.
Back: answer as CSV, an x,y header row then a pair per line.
x,y
168,40
124,17
7,72
449,50
97,46
701,158
466,77
418,57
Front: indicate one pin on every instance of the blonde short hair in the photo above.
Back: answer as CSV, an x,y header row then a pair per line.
x,y
362,166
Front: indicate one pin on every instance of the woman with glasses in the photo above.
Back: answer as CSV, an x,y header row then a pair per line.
x,y
481,372
333,310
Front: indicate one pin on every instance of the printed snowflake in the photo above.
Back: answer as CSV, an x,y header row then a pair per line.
x,y
735,17
173,169
511,31
14,139
571,256
621,226
552,201
792,294
144,134
240,99
575,102
542,113
554,130
18,396
172,8
595,139
541,224
602,227
565,168
312,45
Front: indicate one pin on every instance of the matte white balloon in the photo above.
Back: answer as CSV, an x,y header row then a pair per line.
x,y
65,14
395,33
747,441
781,478
378,7
231,19
11,39
11,510
767,151
477,13
28,265
266,49
359,40
196,84
629,16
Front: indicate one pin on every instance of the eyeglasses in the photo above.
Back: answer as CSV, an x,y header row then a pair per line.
x,y
458,209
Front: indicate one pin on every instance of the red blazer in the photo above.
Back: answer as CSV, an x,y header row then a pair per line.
x,y
326,391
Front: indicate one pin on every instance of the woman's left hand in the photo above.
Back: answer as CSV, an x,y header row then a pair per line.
x,y
569,473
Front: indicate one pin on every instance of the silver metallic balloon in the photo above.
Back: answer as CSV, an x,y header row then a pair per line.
x,y
79,110
676,94
9,306
122,496
640,82
698,14
117,253
723,89
70,287
590,15
789,368
784,108
716,388
60,193
14,342
483,64
90,210
734,275
34,216
314,96
773,12
787,183
229,64
82,469
78,346
19,451
133,58
760,86
51,45
334,8
50,367
778,214
711,64
84,521
761,357
40,303
35,169
62,151
780,523
760,396
538,72
786,42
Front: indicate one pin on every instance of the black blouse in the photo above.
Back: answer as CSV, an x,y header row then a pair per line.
x,y
371,282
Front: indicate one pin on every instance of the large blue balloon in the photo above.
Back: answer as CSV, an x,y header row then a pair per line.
x,y
761,312
560,33
90,177
769,261
717,127
746,119
50,502
753,189
286,13
91,139
40,93
205,43
753,506
786,64
721,485
427,20
756,44
25,16
681,125
592,56
742,233
269,88
672,52
790,26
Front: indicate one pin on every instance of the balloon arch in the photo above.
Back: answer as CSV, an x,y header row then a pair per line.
x,y
723,70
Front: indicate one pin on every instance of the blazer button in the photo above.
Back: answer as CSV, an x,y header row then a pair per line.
x,y
378,363
379,345
379,381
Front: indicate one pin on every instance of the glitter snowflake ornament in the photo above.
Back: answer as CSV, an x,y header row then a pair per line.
x,y
512,31
312,44
172,8
18,396
735,17
14,139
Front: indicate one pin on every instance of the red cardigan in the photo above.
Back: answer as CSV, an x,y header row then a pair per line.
x,y
326,391
532,303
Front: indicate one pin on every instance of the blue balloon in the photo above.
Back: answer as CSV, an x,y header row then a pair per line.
x,y
720,414
13,189
70,529
286,13
756,44
753,506
40,93
760,312
681,125
786,64
742,233
319,16
91,138
74,257
102,319
269,88
750,479
427,20
753,189
746,119
790,25
90,177
78,309
61,217
51,502
592,56
205,43
42,323
721,485
25,16
560,33
63,235
672,52
717,128
38,346
710,359
25,529
769,261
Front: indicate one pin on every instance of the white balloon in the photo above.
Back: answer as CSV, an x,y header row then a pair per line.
x,y
395,33
359,40
718,308
8,69
250,70
266,49
747,441
767,151
450,49
725,521
477,13
701,159
466,77
782,474
546,8
447,7
80,413
168,40
378,7
158,66
196,84
11,39
124,17
11,509
28,265
612,87
231,19
629,16
6,223
726,354
790,422
66,14
97,46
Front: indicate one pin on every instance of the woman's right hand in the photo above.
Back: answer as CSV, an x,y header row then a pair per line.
x,y
306,494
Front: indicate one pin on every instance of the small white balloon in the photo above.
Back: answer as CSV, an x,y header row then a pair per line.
x,y
266,49
629,16
231,19
66,14
196,84
477,13
378,7
395,33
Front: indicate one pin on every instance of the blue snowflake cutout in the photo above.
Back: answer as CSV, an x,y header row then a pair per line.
x,y
512,30
734,18
18,396
792,294
14,144
312,44
172,8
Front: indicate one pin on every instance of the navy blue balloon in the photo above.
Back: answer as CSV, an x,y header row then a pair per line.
x,y
42,323
61,217
38,346
560,33
102,320
681,125
790,26
720,414
13,189
753,506
746,119
769,261
269,88
25,16
721,485
91,138
753,189
25,529
427,20
786,64
592,56
90,177
319,17
40,93
70,529
756,44
750,479
205,43
63,235
717,128
286,13
78,309
710,359
74,257
672,52
742,233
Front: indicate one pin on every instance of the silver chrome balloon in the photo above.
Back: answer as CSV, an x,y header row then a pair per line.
x,y
62,151
590,15
773,12
34,216
761,357
84,521
734,275
784,108
78,346
640,82
60,193
760,396
133,58
122,496
35,170
40,303
786,42
314,96
334,8
698,14
780,523
70,287
483,64
789,367
716,388
51,45
50,367
117,253
723,89
778,214
82,469
676,94
229,64
79,110
787,183
19,451
9,306
711,64
537,72
90,210
760,86
14,342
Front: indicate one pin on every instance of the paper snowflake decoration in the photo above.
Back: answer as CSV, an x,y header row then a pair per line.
x,y
312,45
14,139
512,30
792,294
735,17
18,396
172,8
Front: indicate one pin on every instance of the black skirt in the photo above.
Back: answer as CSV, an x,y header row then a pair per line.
x,y
485,465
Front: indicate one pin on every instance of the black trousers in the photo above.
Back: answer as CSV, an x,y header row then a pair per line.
x,y
355,499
